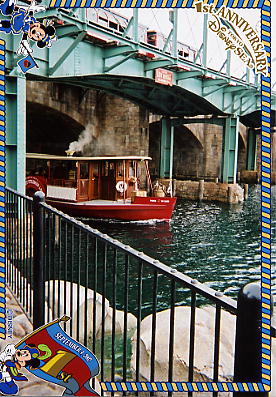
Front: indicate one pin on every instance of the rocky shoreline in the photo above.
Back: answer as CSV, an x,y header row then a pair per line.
x,y
203,367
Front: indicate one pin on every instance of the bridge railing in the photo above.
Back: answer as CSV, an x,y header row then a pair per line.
x,y
135,313
104,23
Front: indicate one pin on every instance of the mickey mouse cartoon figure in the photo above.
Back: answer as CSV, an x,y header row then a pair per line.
x,y
11,360
22,21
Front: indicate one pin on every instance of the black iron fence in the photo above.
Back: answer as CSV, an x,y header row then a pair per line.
x,y
141,318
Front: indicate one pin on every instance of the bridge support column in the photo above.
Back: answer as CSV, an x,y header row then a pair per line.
x,y
16,132
230,150
166,149
251,150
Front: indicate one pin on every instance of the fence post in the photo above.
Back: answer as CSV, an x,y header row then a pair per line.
x,y
38,261
248,346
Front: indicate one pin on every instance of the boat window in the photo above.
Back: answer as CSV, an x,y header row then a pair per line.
x,y
72,171
111,169
60,171
84,171
131,168
95,170
120,169
105,168
38,168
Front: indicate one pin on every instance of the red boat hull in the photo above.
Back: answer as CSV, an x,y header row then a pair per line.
x,y
143,208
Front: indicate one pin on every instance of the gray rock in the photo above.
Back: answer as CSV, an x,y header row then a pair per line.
x,y
204,350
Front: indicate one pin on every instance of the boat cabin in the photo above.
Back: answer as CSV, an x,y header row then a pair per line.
x,y
79,179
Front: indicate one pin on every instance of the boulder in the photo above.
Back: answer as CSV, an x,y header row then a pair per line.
x,y
21,326
204,346
82,311
119,328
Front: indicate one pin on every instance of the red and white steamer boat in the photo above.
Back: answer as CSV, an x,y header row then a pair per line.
x,y
98,187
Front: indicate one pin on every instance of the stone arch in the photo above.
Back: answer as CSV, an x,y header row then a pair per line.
x,y
197,150
187,146
49,131
188,152
113,126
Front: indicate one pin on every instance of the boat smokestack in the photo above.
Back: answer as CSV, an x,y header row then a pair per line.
x,y
69,152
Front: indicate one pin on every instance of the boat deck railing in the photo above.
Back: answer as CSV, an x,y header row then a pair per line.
x,y
57,265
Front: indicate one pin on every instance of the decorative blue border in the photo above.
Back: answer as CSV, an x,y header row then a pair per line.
x,y
2,193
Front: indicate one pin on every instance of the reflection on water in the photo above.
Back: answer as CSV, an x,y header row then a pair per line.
x,y
216,243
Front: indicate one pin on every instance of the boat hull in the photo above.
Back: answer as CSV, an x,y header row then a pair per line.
x,y
143,208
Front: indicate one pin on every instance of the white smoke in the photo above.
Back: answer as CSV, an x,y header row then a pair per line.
x,y
85,140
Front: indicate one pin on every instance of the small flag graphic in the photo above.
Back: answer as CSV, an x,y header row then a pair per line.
x,y
27,63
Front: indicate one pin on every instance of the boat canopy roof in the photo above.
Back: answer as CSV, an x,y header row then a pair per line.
x,y
78,158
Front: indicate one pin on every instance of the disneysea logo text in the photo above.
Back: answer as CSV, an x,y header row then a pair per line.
x,y
238,35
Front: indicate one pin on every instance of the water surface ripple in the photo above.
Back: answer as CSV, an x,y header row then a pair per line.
x,y
215,243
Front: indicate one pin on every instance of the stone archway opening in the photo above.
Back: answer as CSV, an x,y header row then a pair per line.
x,y
188,154
49,131
197,151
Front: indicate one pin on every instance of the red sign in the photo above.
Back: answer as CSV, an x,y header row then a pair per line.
x,y
163,76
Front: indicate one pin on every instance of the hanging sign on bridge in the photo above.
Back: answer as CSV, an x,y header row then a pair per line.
x,y
163,76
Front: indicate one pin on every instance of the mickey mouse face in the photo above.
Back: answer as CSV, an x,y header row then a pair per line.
x,y
23,356
36,32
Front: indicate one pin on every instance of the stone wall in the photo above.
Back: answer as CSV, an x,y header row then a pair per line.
x,y
208,191
197,150
102,124
123,128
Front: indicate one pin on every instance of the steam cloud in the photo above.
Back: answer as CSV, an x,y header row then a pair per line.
x,y
88,144
83,144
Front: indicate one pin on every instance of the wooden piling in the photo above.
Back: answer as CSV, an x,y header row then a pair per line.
x,y
245,190
230,194
200,189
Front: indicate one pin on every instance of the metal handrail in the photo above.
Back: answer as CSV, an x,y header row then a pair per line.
x,y
74,265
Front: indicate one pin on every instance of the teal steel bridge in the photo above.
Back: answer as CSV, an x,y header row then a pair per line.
x,y
89,55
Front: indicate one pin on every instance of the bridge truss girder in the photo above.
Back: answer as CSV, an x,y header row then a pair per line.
x,y
113,54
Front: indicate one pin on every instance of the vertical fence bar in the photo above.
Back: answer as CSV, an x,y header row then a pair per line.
x,y
78,283
171,342
50,255
153,327
216,346
103,309
248,344
38,261
58,265
95,274
31,257
17,249
125,318
19,242
95,277
114,298
192,340
65,271
85,335
139,316
27,284
72,276
25,251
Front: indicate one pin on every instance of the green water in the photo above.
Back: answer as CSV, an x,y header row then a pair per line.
x,y
215,243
